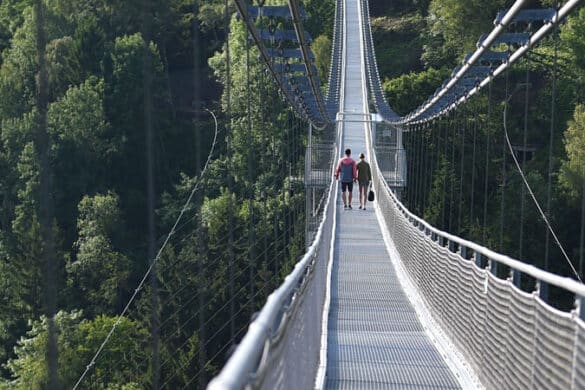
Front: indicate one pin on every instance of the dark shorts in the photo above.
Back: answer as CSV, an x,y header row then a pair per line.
x,y
364,183
347,186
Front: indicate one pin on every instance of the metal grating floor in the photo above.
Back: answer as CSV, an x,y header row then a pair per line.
x,y
374,340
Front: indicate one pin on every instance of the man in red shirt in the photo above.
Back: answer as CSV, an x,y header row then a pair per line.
x,y
347,168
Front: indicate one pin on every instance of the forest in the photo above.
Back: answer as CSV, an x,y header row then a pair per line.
x,y
108,136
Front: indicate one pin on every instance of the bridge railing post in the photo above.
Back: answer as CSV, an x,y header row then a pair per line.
x,y
580,304
478,258
463,251
442,241
515,276
493,266
543,290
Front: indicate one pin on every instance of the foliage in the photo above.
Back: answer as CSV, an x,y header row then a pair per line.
x,y
78,339
572,34
116,68
572,175
455,26
398,44
407,92
321,14
99,271
321,46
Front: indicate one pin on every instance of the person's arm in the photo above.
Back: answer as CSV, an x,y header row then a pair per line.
x,y
337,170
369,173
355,176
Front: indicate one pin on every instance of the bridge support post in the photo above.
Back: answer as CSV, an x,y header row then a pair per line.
x,y
543,291
515,275
463,252
441,240
581,307
493,265
477,257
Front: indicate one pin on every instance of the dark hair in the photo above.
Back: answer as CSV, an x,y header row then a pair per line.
x,y
348,151
362,155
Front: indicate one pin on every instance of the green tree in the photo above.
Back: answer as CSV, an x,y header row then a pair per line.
x,y
321,17
573,34
84,148
455,26
122,358
125,110
407,92
17,74
10,19
99,271
572,175
322,48
64,69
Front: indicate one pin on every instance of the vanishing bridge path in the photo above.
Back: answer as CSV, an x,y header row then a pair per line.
x,y
384,300
374,338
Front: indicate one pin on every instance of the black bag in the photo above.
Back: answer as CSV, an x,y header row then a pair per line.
x,y
371,196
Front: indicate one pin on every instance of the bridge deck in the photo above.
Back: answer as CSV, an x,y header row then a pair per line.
x,y
375,339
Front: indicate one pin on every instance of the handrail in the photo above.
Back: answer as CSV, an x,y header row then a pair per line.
x,y
550,278
245,360
333,88
485,44
412,118
372,70
534,39
243,10
296,18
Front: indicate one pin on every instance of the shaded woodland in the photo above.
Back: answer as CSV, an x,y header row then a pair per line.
x,y
107,122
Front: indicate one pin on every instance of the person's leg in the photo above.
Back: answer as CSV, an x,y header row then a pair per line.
x,y
350,194
365,195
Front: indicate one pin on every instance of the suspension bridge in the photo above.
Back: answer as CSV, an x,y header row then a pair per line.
x,y
384,300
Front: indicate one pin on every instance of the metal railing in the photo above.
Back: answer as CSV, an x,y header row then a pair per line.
x,y
289,325
510,338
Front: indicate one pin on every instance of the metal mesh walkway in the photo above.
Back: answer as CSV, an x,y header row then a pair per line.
x,y
374,337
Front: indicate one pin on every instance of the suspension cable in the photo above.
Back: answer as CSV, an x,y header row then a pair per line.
x,y
446,126
542,214
550,153
452,173
304,47
156,259
250,143
524,146
582,239
432,146
504,155
472,200
229,140
465,124
487,163
428,171
419,168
